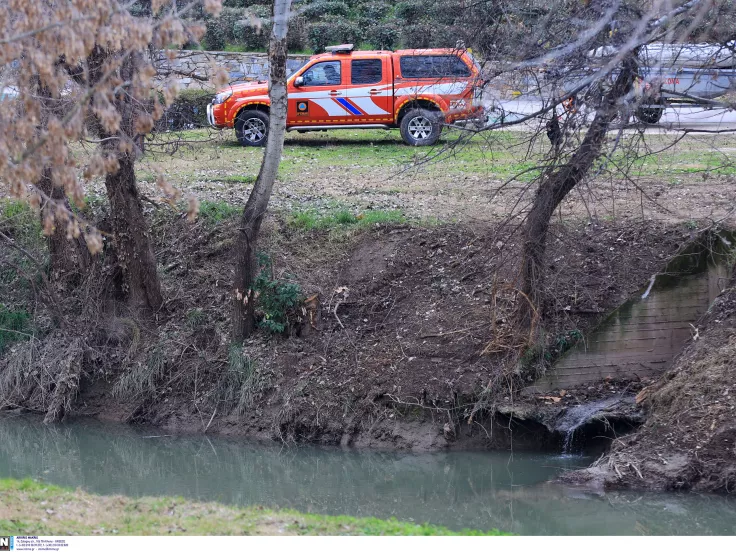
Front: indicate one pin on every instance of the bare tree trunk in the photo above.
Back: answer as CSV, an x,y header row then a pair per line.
x,y
131,239
555,187
67,256
132,243
246,266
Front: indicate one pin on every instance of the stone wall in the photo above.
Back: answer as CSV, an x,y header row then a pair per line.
x,y
195,69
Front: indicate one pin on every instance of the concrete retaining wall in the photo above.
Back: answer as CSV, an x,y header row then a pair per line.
x,y
641,338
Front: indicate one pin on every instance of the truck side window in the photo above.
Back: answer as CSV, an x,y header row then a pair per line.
x,y
323,74
424,67
366,71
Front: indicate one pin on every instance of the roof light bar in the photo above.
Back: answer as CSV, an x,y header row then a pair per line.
x,y
340,49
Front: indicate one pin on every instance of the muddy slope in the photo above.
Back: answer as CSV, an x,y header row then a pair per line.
x,y
689,438
397,362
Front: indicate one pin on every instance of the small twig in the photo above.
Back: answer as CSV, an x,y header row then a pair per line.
x,y
335,313
211,446
210,422
483,428
453,332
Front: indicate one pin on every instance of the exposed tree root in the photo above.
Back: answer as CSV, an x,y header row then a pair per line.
x,y
67,382
43,377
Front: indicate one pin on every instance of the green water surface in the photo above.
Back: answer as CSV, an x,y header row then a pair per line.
x,y
478,490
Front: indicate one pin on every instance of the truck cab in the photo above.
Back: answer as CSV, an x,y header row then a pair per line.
x,y
416,91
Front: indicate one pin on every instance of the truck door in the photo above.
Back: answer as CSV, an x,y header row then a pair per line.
x,y
369,92
316,96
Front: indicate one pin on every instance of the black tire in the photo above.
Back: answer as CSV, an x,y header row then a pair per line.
x,y
554,133
649,115
421,127
251,128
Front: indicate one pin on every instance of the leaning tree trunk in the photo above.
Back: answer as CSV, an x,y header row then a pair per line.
x,y
246,266
555,187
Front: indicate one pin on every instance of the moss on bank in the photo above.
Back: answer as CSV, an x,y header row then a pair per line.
x,y
33,508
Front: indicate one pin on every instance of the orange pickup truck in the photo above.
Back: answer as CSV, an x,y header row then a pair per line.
x,y
413,90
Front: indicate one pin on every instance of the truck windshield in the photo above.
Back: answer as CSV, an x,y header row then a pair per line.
x,y
292,66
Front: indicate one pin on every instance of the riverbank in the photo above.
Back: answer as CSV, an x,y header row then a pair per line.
x,y
412,345
33,508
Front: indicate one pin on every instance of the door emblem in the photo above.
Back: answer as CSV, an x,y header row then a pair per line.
x,y
302,107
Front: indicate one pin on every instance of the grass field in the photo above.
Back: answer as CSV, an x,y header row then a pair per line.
x,y
486,177
354,175
33,508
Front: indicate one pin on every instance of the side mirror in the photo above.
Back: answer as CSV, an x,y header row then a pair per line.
x,y
299,81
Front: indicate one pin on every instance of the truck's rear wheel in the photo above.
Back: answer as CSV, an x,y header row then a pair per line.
x,y
251,127
649,115
421,127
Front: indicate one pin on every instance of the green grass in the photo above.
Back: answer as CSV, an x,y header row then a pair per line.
x,y
34,508
13,209
231,178
24,222
216,212
310,219
195,318
498,155
239,179
684,162
359,151
14,326
371,166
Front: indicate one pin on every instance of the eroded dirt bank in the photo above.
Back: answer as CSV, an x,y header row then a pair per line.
x,y
688,441
410,351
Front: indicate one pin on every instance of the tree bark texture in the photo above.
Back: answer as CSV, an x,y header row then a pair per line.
x,y
554,188
131,239
68,257
246,265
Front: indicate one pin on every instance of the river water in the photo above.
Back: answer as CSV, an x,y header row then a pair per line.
x,y
478,490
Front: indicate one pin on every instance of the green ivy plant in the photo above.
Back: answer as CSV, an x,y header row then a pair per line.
x,y
565,341
276,298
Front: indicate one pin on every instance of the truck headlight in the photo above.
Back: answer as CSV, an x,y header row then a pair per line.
x,y
222,97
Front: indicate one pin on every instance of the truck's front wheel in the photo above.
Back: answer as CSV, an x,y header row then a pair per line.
x,y
421,127
251,127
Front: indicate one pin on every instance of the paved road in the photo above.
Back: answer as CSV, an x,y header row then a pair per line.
x,y
674,118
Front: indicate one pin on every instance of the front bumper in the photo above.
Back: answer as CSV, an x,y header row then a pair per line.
x,y
210,116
